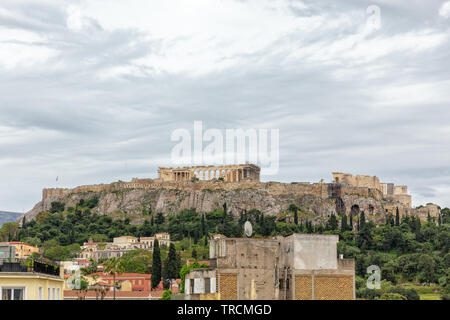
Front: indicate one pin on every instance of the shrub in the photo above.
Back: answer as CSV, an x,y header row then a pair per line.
x,y
392,296
166,295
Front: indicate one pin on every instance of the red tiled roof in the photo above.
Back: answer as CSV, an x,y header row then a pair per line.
x,y
13,242
109,294
121,275
156,293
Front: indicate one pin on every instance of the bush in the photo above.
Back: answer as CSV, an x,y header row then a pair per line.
x,y
392,296
57,207
409,294
166,295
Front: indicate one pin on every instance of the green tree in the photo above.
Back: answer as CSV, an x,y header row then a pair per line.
x,y
156,265
172,263
136,261
362,220
344,226
114,267
56,206
203,226
332,223
426,267
166,295
397,217
9,230
224,212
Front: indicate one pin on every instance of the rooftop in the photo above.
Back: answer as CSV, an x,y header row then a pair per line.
x,y
37,267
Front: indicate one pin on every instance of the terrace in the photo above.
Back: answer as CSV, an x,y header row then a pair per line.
x,y
34,267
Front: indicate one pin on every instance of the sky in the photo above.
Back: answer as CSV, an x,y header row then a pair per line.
x,y
91,90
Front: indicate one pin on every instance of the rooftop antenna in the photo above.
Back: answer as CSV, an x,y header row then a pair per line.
x,y
248,229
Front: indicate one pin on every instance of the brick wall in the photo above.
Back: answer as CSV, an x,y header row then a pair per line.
x,y
303,287
228,286
333,287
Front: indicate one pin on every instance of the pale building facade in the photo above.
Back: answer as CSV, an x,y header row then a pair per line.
x,y
21,283
120,246
22,249
297,267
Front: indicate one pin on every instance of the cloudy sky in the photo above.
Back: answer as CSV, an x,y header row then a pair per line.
x,y
91,90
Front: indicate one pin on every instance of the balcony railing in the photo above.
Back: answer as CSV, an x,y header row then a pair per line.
x,y
37,267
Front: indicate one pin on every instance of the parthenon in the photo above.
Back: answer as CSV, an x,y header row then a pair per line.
x,y
229,173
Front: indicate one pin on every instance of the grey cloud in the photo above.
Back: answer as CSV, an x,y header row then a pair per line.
x,y
88,129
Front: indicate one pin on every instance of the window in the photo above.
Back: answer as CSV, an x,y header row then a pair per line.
x,y
207,285
53,293
13,293
41,293
48,293
58,294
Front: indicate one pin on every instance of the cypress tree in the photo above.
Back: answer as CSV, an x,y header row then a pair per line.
x,y
439,220
397,217
332,223
351,222
295,216
165,275
194,253
261,221
224,212
344,226
156,265
203,225
172,263
362,220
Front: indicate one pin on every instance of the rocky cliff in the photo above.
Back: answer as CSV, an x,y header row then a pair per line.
x,y
133,198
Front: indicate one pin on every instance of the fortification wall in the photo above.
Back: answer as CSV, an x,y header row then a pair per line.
x,y
362,181
316,189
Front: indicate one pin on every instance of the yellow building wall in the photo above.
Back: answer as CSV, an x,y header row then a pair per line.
x,y
32,284
303,287
210,296
25,250
228,286
333,287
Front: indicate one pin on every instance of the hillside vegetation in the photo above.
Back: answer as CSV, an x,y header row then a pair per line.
x,y
413,256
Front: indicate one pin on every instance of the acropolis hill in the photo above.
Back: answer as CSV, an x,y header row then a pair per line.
x,y
207,188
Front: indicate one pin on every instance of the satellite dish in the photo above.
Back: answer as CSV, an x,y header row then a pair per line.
x,y
248,229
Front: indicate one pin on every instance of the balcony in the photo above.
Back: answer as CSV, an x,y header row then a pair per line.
x,y
37,267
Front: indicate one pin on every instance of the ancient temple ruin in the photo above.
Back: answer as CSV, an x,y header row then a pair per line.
x,y
227,173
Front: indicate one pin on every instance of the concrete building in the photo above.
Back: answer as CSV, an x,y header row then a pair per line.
x,y
40,282
297,267
125,240
7,252
22,249
120,246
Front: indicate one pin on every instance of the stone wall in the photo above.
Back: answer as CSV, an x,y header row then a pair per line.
x,y
333,287
294,267
363,181
228,286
